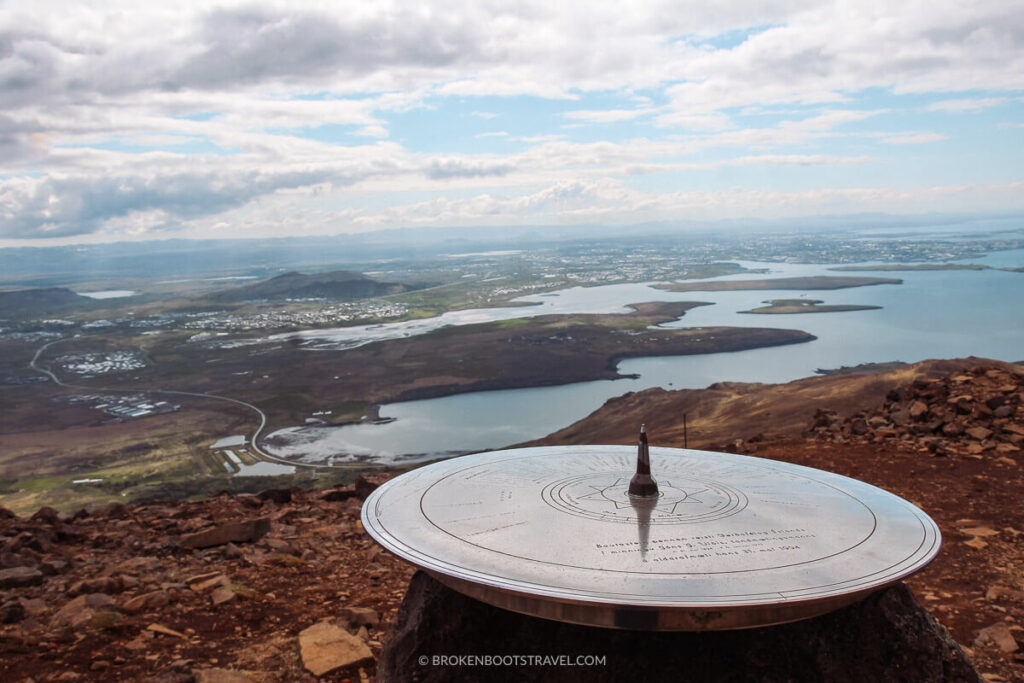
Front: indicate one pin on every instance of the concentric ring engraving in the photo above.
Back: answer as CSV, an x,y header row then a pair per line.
x,y
604,496
551,531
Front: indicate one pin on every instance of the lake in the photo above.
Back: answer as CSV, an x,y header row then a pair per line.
x,y
933,314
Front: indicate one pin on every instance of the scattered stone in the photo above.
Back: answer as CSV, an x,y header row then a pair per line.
x,y
210,584
326,647
339,493
979,433
46,515
220,676
998,634
976,543
221,595
359,616
17,577
159,628
81,610
231,532
279,496
11,612
982,531
152,600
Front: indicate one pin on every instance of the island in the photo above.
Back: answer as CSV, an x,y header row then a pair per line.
x,y
779,306
809,282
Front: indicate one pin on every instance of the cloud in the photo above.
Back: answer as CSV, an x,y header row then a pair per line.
x,y
967,104
444,169
275,92
914,138
606,115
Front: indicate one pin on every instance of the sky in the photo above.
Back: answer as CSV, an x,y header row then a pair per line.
x,y
133,121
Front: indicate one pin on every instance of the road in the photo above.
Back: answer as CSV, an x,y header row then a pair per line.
x,y
254,441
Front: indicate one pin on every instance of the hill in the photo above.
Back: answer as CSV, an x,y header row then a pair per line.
x,y
222,589
44,300
338,285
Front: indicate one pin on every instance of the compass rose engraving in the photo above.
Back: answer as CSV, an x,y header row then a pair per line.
x,y
668,496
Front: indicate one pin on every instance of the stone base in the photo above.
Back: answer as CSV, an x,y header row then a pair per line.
x,y
886,637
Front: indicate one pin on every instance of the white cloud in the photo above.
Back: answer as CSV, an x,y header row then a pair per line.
x,y
254,81
915,138
967,104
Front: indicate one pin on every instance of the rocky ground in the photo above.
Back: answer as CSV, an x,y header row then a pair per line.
x,y
286,586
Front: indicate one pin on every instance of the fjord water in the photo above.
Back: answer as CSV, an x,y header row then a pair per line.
x,y
933,314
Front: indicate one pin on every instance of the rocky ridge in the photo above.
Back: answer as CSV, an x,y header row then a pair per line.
x,y
974,414
286,586
281,586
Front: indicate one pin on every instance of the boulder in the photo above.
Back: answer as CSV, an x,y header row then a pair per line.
x,y
886,637
231,532
326,647
998,635
16,577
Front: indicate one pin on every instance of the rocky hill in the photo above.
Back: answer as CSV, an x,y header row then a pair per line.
x,y
338,285
286,586
44,300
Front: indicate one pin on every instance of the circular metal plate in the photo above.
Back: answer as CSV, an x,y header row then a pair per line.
x,y
730,541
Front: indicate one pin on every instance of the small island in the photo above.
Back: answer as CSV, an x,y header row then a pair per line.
x,y
809,282
806,306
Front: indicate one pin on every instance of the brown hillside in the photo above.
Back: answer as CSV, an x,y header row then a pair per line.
x,y
224,589
728,411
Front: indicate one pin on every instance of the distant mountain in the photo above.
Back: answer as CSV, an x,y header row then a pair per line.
x,y
47,300
338,285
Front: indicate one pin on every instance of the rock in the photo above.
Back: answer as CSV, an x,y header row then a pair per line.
x,y
220,676
7,514
326,647
953,429
280,546
982,531
249,500
1004,593
859,427
81,610
979,433
152,600
53,567
359,616
230,532
137,565
918,409
998,634
11,612
209,584
279,496
221,595
16,577
46,515
976,543
885,637
352,507
160,628
339,493
367,483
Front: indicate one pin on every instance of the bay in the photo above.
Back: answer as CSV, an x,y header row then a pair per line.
x,y
933,314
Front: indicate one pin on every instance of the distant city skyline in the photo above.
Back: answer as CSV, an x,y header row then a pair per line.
x,y
201,120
